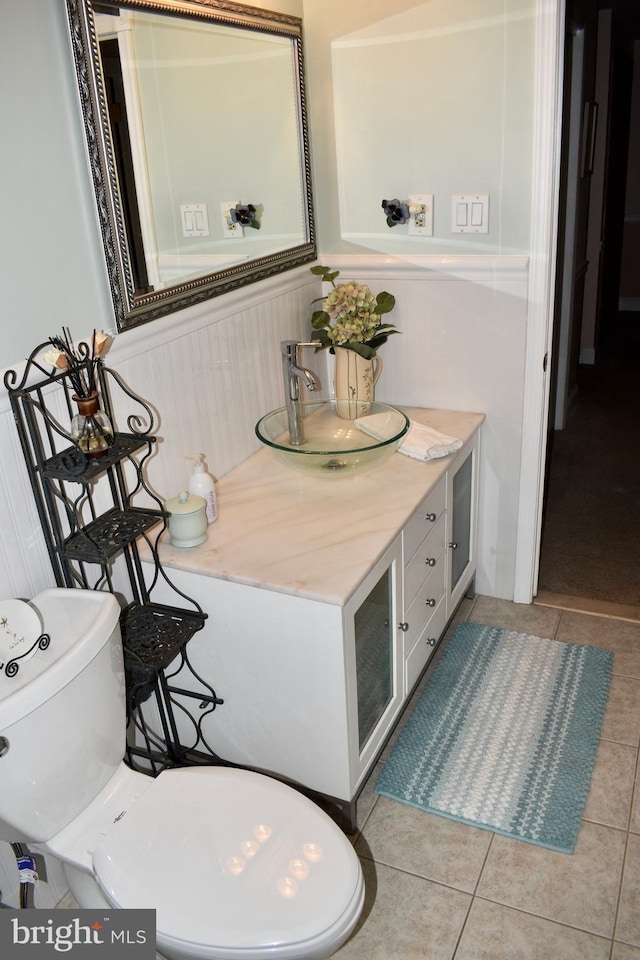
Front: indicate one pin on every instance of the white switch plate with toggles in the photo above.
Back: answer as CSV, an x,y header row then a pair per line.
x,y
195,219
470,213
421,220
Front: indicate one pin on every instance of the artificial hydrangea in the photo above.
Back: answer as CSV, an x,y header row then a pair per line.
x,y
351,306
351,316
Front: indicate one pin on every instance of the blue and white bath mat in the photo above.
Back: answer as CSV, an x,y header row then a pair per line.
x,y
505,735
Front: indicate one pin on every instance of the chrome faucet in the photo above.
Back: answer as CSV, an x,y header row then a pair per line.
x,y
293,374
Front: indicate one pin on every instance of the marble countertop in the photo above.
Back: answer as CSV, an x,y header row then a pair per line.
x,y
314,537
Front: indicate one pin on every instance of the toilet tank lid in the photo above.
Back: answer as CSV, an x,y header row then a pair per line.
x,y
78,623
231,858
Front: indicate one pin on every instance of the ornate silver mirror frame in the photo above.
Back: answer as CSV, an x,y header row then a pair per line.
x,y
133,303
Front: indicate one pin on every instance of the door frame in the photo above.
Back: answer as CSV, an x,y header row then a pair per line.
x,y
547,129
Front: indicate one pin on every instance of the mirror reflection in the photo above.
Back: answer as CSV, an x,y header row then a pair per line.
x,y
202,167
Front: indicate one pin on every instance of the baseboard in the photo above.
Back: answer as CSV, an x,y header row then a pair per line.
x,y
588,356
629,304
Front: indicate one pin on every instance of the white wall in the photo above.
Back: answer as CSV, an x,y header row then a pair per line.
x,y
51,263
434,100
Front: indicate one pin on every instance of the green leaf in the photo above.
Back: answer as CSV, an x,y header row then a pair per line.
x,y
387,328
385,302
255,224
391,223
327,274
364,349
323,337
320,319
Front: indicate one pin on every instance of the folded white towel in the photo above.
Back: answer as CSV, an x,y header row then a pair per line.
x,y
420,442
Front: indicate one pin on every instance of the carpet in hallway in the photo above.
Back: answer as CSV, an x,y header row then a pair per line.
x,y
591,532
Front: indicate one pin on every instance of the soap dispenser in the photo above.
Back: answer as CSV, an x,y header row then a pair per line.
x,y
202,484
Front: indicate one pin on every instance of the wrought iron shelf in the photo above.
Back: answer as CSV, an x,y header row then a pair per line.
x,y
104,538
73,465
71,491
154,634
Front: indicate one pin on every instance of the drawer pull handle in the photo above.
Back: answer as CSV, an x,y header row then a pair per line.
x,y
431,561
431,642
404,627
454,546
430,517
430,603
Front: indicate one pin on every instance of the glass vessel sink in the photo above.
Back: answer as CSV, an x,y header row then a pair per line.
x,y
333,446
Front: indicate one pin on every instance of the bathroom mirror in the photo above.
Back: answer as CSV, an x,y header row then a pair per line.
x,y
194,116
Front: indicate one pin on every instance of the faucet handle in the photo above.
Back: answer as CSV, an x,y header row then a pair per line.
x,y
289,348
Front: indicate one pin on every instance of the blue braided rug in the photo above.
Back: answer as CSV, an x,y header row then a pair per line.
x,y
504,735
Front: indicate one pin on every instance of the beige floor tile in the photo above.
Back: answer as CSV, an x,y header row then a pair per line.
x,y
623,639
611,791
628,925
367,800
580,889
634,823
527,618
464,612
622,716
495,932
622,951
406,918
424,844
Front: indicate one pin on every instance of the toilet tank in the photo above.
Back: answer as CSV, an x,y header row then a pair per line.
x,y
62,717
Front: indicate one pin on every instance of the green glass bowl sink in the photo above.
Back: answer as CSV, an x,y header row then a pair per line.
x,y
333,446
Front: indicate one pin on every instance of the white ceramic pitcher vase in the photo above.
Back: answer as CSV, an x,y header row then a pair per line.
x,y
354,382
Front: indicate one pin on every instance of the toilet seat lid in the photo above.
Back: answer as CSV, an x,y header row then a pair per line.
x,y
228,857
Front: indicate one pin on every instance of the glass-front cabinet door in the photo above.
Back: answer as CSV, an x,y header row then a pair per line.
x,y
461,507
374,659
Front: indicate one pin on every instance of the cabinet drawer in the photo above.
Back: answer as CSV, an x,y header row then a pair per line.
x,y
426,645
423,521
420,612
428,557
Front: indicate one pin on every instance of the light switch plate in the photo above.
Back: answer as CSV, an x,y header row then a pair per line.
x,y
470,213
195,219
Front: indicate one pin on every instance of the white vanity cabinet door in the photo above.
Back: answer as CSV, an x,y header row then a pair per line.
x,y
374,661
462,508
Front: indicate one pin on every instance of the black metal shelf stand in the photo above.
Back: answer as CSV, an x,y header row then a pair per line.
x,y
87,509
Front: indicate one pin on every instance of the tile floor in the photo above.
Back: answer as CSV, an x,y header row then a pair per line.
x,y
438,890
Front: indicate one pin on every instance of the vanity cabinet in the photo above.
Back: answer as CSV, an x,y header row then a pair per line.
x,y
324,608
438,571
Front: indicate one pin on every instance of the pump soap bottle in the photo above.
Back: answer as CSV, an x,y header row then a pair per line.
x,y
202,484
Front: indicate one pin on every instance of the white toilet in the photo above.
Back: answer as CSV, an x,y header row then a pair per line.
x,y
236,864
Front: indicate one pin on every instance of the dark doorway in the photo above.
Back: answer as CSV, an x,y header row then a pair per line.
x,y
591,522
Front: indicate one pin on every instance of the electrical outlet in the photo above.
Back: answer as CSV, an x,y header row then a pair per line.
x,y
421,210
230,230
